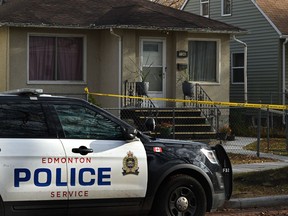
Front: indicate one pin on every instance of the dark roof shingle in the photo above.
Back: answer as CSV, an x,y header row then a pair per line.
x,y
139,14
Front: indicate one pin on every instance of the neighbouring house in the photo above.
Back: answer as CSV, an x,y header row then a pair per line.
x,y
65,46
266,42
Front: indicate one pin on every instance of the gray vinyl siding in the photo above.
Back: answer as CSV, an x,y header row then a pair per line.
x,y
193,7
264,50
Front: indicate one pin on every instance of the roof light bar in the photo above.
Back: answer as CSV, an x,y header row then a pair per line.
x,y
25,91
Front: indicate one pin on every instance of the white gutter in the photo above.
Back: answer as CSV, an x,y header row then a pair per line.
x,y
245,68
284,70
119,64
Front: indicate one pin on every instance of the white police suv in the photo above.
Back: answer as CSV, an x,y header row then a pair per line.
x,y
64,156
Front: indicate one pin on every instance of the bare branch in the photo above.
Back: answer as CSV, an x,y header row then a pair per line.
x,y
170,3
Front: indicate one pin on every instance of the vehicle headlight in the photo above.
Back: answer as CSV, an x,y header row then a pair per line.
x,y
210,155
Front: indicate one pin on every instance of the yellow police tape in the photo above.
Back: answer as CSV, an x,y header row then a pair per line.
x,y
216,103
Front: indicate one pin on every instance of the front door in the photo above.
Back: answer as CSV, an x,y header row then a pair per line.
x,y
153,65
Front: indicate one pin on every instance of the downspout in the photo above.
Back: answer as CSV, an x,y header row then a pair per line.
x,y
284,78
119,63
245,68
284,71
8,60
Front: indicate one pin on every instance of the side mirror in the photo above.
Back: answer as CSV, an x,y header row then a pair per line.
x,y
150,124
129,133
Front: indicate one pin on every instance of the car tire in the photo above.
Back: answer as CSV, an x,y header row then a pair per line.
x,y
180,195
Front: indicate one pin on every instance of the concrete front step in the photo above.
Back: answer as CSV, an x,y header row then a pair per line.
x,y
187,135
169,112
188,123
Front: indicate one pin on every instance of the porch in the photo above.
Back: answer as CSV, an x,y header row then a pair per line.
x,y
188,121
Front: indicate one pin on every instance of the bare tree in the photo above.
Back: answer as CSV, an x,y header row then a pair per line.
x,y
170,3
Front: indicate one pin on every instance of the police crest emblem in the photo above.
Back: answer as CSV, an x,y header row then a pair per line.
x,y
130,164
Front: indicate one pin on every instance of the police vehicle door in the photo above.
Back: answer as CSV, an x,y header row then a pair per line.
x,y
29,174
101,163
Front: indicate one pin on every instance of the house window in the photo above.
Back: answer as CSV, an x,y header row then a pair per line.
x,y
204,8
237,68
226,7
203,61
55,58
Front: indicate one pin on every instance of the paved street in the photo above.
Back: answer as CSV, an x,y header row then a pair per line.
x,y
279,211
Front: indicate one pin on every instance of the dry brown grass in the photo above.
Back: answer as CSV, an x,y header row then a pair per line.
x,y
275,146
264,183
247,159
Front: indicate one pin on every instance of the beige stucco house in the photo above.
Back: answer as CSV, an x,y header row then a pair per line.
x,y
65,46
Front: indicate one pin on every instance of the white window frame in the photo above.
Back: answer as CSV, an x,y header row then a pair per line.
x,y
240,67
218,60
202,3
223,8
84,81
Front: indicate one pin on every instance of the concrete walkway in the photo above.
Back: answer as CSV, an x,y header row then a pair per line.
x,y
237,145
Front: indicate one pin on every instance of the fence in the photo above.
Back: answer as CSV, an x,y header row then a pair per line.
x,y
246,129
242,131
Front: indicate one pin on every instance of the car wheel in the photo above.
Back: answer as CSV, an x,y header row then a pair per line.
x,y
181,195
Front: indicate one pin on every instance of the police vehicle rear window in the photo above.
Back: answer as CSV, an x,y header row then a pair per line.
x,y
22,121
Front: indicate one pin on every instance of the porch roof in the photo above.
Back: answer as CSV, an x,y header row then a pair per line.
x,y
104,14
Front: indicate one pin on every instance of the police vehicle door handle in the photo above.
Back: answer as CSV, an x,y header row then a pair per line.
x,y
83,150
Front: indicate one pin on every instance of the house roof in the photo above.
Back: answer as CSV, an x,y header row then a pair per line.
x,y
100,14
277,12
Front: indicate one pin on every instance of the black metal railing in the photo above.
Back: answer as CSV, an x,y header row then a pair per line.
x,y
131,90
211,112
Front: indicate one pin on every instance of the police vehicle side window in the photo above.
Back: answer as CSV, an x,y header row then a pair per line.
x,y
79,122
22,121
